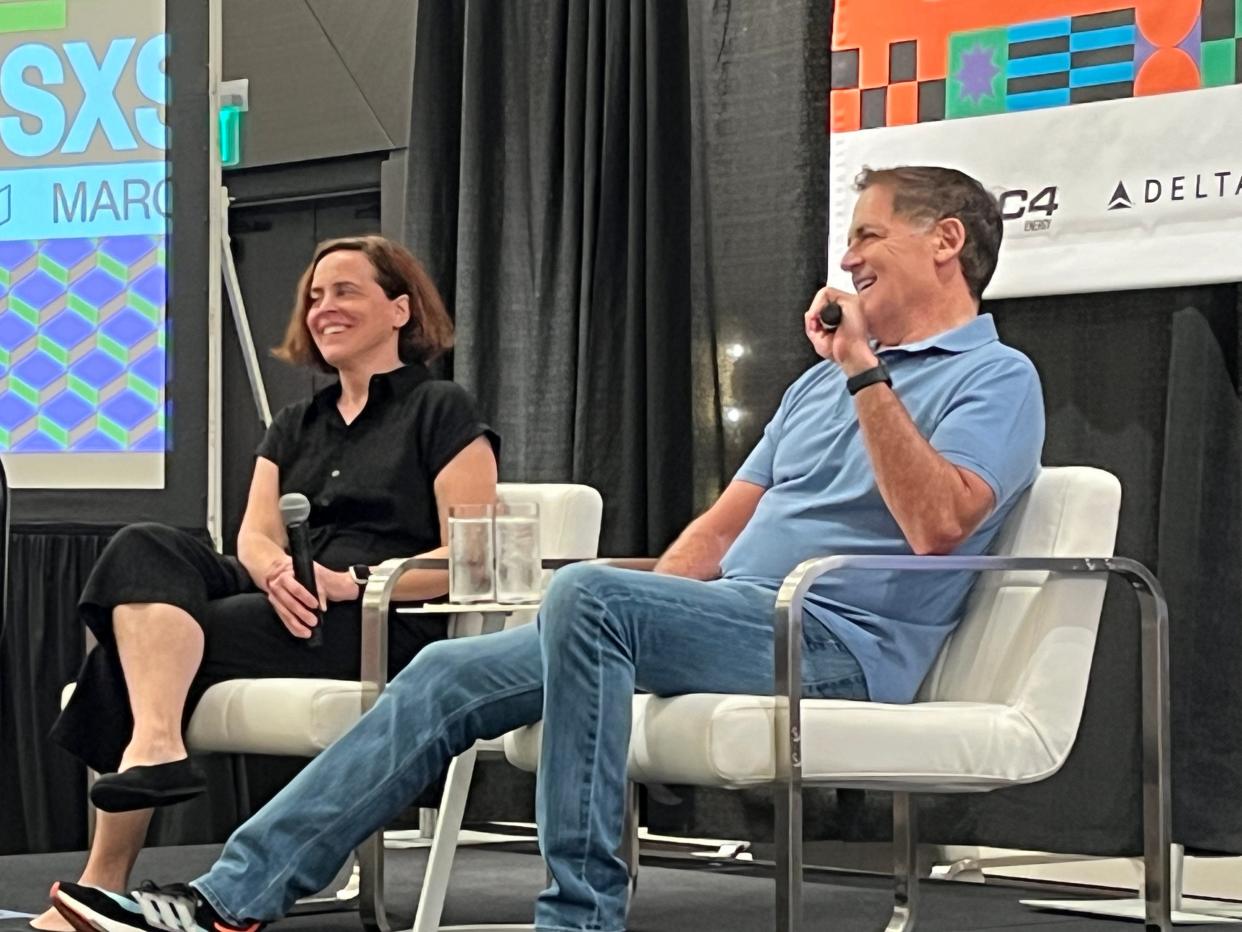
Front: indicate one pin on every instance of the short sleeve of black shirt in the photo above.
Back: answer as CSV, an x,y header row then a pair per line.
x,y
448,422
279,443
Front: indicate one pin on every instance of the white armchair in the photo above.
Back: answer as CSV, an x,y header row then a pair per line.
x,y
301,717
1001,706
570,517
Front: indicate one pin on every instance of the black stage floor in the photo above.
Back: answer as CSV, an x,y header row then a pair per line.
x,y
498,884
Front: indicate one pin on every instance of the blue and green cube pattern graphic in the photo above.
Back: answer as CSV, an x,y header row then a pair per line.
x,y
83,345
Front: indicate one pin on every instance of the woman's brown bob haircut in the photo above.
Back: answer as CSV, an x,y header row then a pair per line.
x,y
426,335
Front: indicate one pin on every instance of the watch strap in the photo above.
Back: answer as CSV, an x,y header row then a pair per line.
x,y
877,373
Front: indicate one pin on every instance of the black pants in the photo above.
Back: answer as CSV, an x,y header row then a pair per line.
x,y
242,635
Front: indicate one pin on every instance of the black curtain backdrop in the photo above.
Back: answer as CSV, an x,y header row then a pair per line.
x,y
39,654
549,170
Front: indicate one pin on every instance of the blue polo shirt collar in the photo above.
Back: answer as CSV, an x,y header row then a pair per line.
x,y
970,335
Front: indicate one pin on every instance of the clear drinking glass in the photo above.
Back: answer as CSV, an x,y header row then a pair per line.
x,y
470,536
519,564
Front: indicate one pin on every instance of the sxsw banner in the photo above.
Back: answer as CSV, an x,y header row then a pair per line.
x,y
1110,130
84,206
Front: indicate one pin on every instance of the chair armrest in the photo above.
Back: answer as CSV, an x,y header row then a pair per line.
x,y
376,598
375,601
1154,633
791,597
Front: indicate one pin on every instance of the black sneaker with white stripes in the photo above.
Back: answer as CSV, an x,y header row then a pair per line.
x,y
174,908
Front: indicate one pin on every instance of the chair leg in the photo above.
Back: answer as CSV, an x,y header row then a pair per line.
x,y
91,777
371,884
905,865
427,819
444,843
630,848
628,851
788,799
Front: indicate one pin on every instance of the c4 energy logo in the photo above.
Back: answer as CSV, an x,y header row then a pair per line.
x,y
31,15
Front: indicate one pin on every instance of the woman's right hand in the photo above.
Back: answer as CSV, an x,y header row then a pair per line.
x,y
294,605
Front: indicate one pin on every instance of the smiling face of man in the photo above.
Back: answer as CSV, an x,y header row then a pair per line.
x,y
892,261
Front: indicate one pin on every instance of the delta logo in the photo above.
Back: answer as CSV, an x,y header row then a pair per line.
x,y
1201,186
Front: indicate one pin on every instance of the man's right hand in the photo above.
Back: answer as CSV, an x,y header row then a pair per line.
x,y
850,344
697,552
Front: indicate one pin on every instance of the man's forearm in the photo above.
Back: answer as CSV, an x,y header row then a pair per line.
x,y
922,489
696,554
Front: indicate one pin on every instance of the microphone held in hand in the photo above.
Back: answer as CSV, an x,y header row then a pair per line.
x,y
830,316
295,509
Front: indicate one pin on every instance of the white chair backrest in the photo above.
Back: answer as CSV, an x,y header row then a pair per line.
x,y
569,516
1026,639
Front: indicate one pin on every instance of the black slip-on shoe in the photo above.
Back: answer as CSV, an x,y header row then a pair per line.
x,y
174,908
144,787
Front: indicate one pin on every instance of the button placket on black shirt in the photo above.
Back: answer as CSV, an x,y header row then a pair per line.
x,y
371,482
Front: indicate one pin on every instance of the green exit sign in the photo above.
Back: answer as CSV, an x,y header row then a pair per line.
x,y
31,15
230,136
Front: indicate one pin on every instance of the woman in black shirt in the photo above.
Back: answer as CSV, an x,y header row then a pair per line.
x,y
381,455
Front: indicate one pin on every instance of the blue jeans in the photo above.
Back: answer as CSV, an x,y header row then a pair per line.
x,y
602,633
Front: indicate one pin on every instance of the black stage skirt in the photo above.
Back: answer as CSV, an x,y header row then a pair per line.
x,y
243,637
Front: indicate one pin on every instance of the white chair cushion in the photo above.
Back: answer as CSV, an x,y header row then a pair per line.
x,y
281,715
278,715
723,740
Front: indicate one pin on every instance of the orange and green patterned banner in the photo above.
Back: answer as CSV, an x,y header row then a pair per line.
x,y
1104,126
897,62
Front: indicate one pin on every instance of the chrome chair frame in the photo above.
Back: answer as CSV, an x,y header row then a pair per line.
x,y
1154,634
374,673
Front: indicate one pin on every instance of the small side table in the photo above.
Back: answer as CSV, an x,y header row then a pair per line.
x,y
462,608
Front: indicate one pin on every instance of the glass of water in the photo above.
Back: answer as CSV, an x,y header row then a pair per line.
x,y
519,564
471,559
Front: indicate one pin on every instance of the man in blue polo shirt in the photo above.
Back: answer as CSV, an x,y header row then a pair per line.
x,y
916,434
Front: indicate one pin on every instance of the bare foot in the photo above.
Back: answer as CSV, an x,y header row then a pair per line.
x,y
50,921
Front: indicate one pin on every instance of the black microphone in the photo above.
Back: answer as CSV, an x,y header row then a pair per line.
x,y
830,316
295,509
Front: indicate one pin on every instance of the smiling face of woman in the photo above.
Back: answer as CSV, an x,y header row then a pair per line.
x,y
353,323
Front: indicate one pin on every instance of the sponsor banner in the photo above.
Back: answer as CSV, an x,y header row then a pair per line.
x,y
1101,126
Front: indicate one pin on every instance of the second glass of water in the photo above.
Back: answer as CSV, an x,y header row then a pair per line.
x,y
470,554
519,563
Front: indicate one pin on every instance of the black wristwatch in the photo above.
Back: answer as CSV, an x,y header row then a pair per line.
x,y
877,373
360,573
